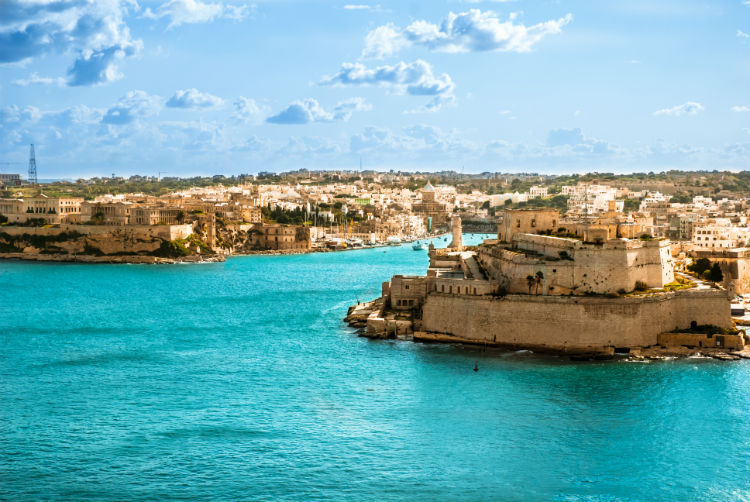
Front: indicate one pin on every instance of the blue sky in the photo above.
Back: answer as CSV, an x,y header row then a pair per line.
x,y
204,87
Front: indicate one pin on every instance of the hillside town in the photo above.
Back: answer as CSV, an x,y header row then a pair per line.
x,y
703,215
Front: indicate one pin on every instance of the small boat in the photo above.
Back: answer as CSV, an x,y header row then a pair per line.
x,y
417,246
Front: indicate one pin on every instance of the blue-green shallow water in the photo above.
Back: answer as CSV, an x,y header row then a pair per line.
x,y
238,381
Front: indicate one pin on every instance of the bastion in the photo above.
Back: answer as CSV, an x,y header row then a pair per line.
x,y
557,294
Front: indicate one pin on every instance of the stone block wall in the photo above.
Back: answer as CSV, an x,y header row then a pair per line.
x,y
572,323
614,266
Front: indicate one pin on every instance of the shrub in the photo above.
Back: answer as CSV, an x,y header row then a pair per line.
x,y
640,286
699,266
500,292
715,273
9,248
172,249
92,250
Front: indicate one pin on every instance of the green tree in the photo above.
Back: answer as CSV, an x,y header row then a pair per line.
x,y
715,273
538,279
700,266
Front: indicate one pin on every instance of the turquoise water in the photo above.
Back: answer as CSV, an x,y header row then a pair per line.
x,y
238,381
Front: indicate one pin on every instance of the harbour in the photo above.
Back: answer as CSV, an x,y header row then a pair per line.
x,y
246,385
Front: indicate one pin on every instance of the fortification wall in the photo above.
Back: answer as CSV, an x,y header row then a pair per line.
x,y
602,269
572,323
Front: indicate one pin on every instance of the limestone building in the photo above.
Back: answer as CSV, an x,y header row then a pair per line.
x,y
524,221
53,210
429,208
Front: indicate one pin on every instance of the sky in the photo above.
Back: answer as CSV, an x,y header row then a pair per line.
x,y
200,87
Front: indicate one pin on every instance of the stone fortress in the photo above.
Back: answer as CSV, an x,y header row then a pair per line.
x,y
539,286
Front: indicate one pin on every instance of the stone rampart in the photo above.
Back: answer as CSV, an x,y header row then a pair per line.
x,y
572,323
571,266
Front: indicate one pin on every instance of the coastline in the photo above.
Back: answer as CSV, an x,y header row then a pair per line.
x,y
156,260
138,259
368,322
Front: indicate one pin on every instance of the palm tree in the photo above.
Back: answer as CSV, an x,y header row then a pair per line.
x,y
530,281
538,280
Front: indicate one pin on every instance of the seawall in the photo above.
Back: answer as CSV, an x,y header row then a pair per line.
x,y
572,323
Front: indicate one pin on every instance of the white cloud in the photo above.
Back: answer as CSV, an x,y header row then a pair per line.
x,y
742,34
306,111
344,109
743,108
307,147
416,79
35,79
573,141
689,108
365,7
416,141
94,33
132,106
472,31
248,111
384,41
193,98
195,11
14,114
253,144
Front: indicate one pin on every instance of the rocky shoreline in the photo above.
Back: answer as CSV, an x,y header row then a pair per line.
x,y
81,258
398,326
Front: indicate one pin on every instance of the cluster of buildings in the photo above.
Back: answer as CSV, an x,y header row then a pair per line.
x,y
375,210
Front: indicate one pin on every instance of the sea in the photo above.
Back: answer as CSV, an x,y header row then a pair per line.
x,y
239,381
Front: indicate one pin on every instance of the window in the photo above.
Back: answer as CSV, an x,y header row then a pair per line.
x,y
406,286
533,223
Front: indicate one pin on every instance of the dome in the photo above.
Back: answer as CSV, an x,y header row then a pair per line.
x,y
428,187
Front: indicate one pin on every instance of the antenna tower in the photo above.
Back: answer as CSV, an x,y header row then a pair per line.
x,y
32,166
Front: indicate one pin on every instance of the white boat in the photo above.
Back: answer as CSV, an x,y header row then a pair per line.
x,y
417,246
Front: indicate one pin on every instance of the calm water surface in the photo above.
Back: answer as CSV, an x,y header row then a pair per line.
x,y
238,381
